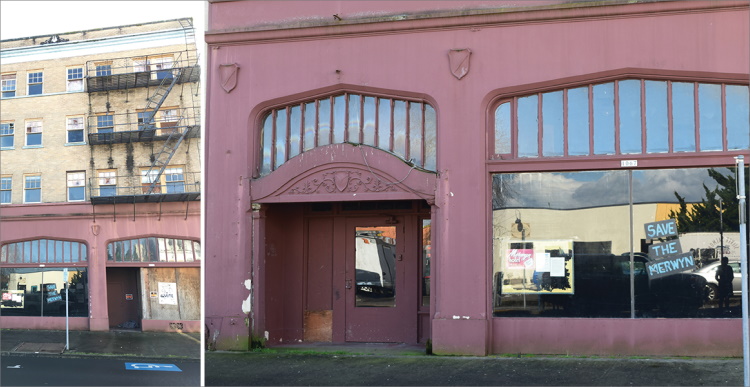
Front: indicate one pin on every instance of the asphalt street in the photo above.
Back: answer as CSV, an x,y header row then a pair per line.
x,y
30,370
294,369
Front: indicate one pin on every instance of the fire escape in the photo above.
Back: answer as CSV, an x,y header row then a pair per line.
x,y
160,74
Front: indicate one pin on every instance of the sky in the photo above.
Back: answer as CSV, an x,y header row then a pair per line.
x,y
23,18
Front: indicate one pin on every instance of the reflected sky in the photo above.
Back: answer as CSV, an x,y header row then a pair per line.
x,y
571,190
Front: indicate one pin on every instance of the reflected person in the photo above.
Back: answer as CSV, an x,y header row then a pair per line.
x,y
724,276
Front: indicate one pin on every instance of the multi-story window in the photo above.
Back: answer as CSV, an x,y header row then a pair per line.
x,y
7,131
6,189
75,130
32,189
76,186
107,182
33,133
9,85
105,123
75,79
103,69
36,83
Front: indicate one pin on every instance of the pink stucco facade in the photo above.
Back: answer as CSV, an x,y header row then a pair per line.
x,y
95,227
287,52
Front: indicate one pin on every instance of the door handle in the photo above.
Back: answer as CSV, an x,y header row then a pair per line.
x,y
348,284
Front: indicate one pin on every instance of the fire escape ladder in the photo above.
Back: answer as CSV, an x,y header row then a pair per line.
x,y
162,158
154,102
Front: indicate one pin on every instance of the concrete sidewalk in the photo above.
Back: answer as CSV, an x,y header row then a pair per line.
x,y
122,343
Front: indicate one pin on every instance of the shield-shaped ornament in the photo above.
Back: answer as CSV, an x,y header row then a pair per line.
x,y
458,59
228,76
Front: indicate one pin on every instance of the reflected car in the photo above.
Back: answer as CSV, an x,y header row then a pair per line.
x,y
712,286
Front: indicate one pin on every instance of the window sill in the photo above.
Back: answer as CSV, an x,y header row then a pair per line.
x,y
33,146
74,143
10,148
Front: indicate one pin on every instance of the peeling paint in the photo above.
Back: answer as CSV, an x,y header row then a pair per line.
x,y
466,317
456,317
247,306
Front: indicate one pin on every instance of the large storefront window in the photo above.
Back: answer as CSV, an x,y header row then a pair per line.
x,y
562,243
40,291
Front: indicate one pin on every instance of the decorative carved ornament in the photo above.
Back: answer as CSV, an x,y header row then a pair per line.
x,y
341,181
458,58
228,76
54,39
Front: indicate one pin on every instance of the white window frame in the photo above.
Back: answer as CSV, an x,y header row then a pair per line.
x,y
8,83
72,125
11,132
6,188
76,179
74,84
98,122
29,83
32,128
26,187
107,178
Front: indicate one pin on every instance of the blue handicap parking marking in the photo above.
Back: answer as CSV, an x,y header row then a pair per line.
x,y
152,367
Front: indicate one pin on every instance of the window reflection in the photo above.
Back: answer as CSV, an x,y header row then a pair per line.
x,y
604,118
561,242
375,266
738,111
669,109
629,93
41,291
528,126
657,126
683,117
578,121
709,102
154,250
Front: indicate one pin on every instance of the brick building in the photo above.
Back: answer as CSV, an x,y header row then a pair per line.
x,y
100,168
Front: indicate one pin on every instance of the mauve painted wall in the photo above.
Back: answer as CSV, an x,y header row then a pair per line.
x,y
76,222
504,55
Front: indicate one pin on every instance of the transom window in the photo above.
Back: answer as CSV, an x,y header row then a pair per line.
x,y
630,116
154,250
403,127
44,251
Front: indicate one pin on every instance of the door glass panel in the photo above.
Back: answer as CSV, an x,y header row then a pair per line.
x,y
426,260
375,266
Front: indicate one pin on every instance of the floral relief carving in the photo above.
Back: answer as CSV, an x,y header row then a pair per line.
x,y
339,182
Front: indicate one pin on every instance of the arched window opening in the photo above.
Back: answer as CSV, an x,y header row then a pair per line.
x,y
44,251
623,117
153,249
403,127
